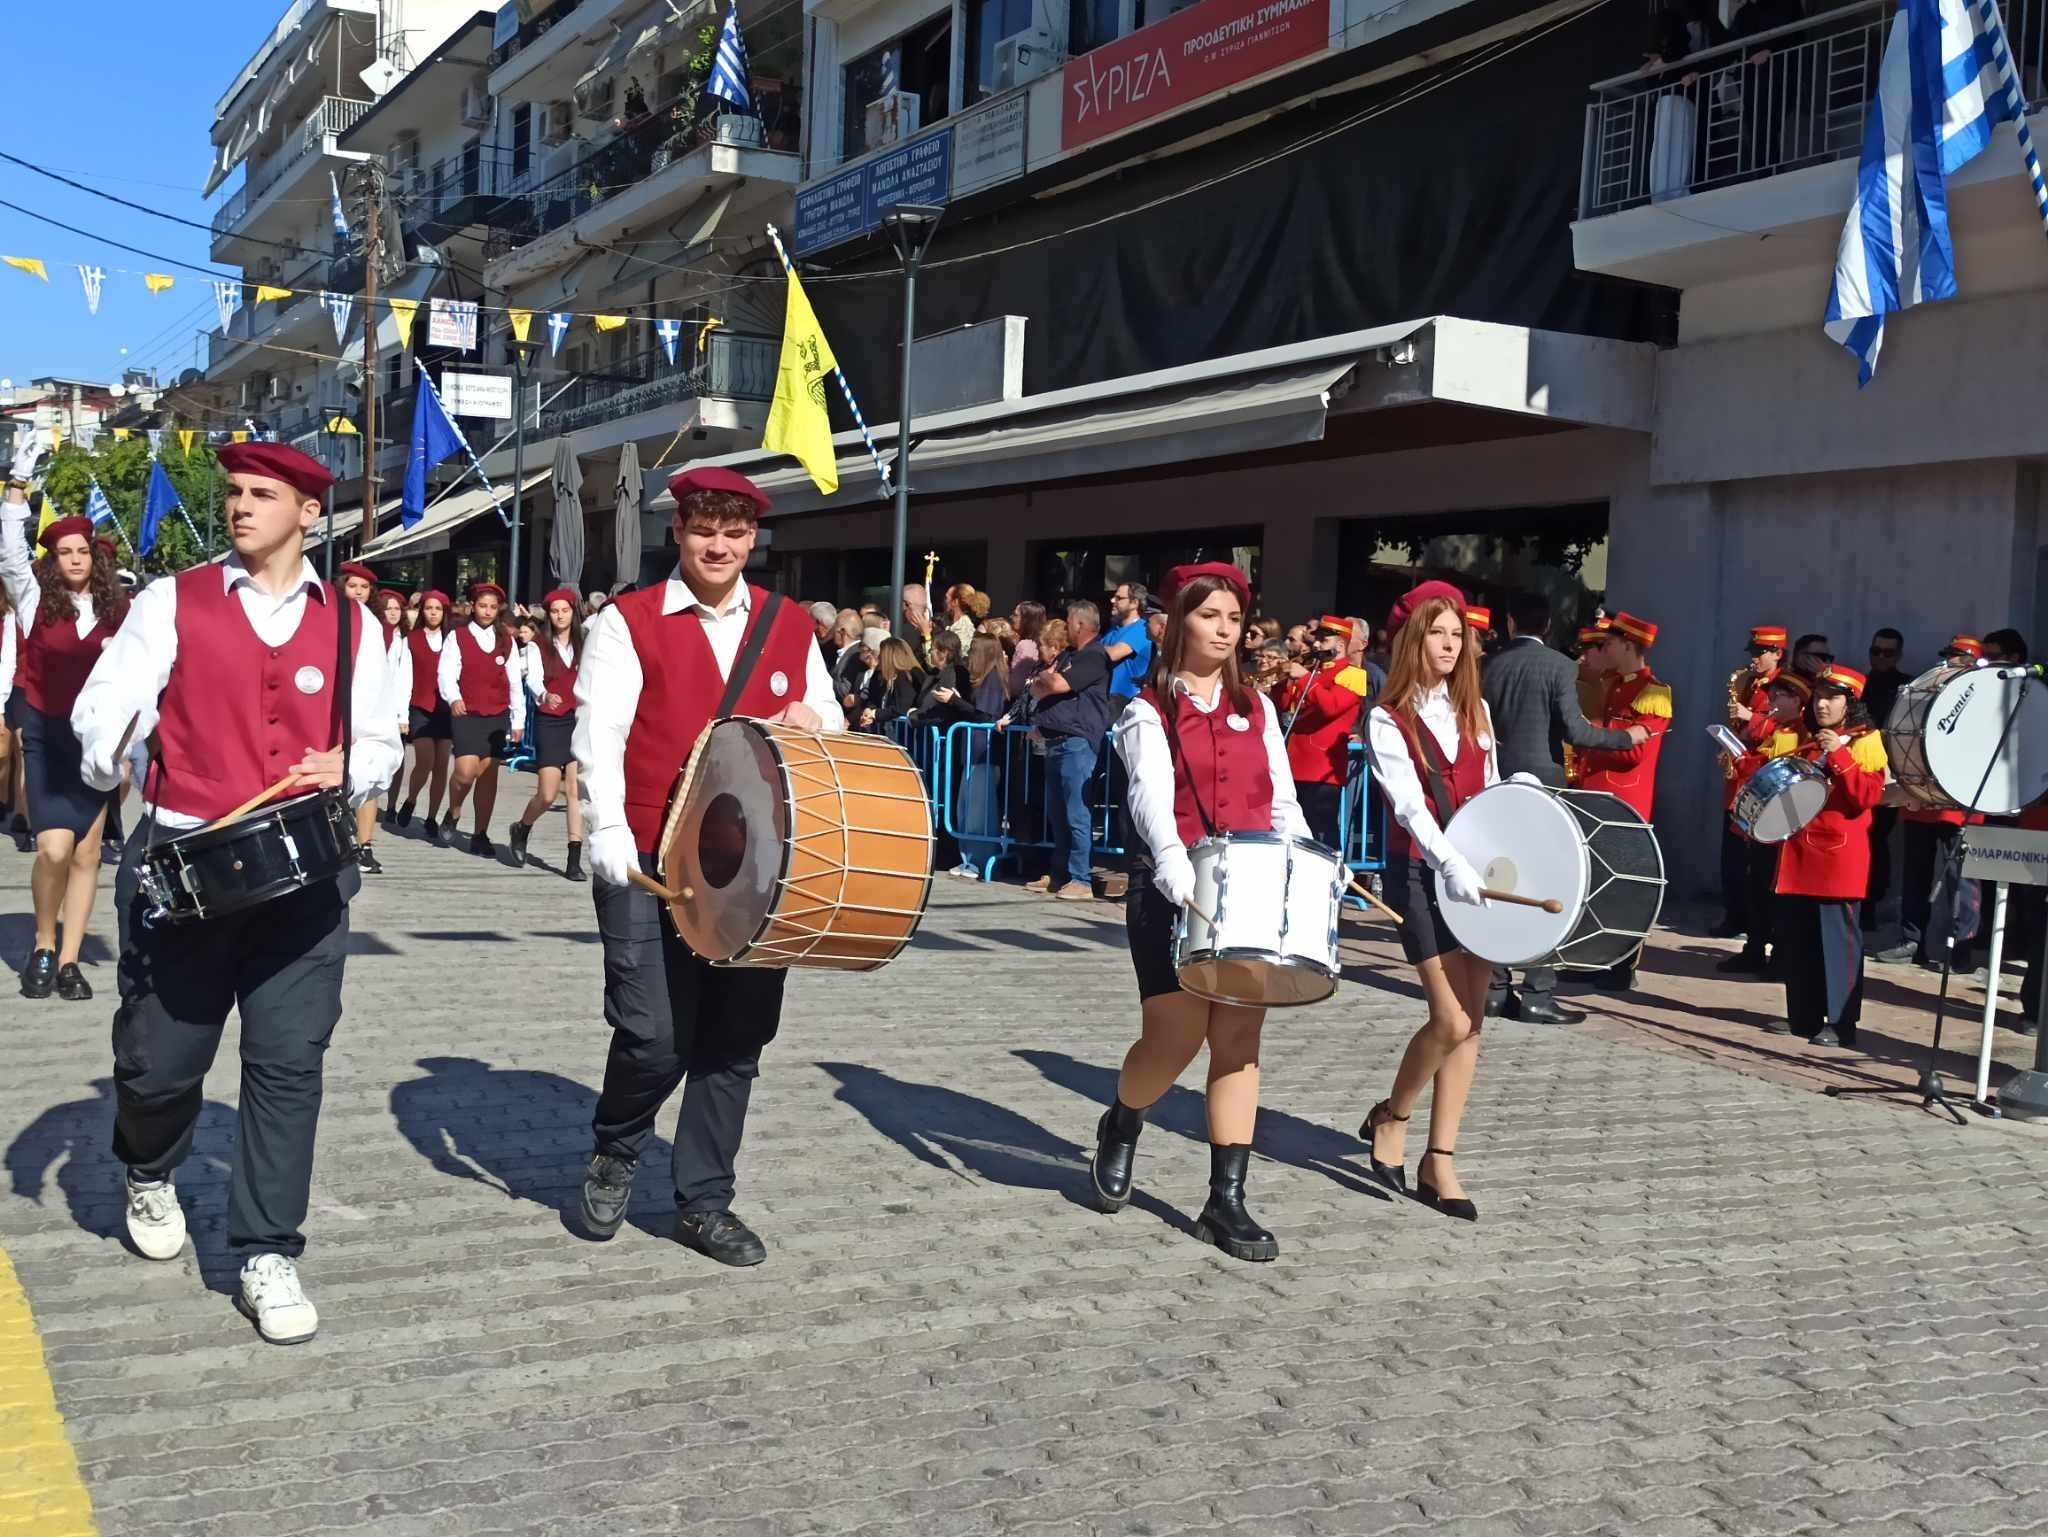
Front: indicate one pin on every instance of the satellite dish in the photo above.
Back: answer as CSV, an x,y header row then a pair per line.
x,y
117,390
6,384
379,77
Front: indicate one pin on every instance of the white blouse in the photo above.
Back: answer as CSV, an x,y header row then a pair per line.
x,y
1394,768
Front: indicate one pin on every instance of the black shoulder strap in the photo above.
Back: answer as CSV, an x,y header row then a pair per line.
x,y
750,654
1180,762
345,676
1426,766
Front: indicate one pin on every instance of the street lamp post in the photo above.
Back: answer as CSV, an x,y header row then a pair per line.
x,y
523,354
911,227
330,429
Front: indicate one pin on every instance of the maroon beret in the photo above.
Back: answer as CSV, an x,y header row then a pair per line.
x,y
383,594
1413,599
1223,571
434,595
478,589
279,461
64,528
567,595
357,568
711,477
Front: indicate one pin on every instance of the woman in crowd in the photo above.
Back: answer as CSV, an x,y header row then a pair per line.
x,y
852,684
551,665
429,726
987,700
65,605
1204,754
1028,620
894,687
1431,741
947,674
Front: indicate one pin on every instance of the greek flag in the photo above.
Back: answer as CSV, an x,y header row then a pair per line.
x,y
97,507
1945,82
340,218
729,81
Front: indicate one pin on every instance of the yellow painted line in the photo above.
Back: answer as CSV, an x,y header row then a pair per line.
x,y
41,1492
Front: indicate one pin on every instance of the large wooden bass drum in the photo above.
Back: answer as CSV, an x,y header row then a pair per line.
x,y
785,848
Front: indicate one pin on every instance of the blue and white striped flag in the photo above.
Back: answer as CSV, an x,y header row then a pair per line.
x,y
730,81
1945,82
97,507
340,218
669,331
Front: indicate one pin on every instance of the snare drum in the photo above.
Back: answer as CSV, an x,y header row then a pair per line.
x,y
214,871
1943,741
797,849
1779,799
1594,853
1275,901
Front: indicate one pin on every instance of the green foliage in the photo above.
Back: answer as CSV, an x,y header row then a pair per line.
x,y
123,473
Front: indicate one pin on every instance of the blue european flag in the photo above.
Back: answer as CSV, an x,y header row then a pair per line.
x,y
158,503
434,438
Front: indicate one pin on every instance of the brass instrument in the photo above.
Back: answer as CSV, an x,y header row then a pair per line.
x,y
1741,684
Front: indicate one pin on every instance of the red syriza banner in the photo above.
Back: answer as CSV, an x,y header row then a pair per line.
x,y
1184,58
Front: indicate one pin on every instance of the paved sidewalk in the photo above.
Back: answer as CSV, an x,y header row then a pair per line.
x,y
1697,1301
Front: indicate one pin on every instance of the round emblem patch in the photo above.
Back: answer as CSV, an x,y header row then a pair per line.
x,y
1238,723
308,680
778,684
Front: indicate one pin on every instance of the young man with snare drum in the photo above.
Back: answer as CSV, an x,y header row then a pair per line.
x,y
233,669
659,665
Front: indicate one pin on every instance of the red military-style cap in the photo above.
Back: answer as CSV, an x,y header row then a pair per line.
x,y
1768,637
1641,631
712,477
1960,645
64,528
1335,624
1593,634
1792,682
566,595
1405,606
357,568
1478,618
1847,679
279,461
1221,570
478,589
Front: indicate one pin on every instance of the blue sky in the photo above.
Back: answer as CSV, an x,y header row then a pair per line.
x,y
123,103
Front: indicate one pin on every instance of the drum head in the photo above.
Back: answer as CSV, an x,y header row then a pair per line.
x,y
1520,838
730,840
1790,809
1962,741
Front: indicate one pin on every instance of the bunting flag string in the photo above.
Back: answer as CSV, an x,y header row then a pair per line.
x,y
402,312
227,298
669,331
121,434
158,282
522,324
608,322
185,437
28,264
339,308
558,327
156,441
265,292
94,278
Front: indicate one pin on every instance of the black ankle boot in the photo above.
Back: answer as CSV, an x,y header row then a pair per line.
x,y
575,869
1116,1153
1224,1221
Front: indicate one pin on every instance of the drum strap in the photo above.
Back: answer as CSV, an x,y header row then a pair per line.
x,y
1180,764
1427,769
750,654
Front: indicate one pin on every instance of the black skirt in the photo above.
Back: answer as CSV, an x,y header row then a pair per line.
x,y
432,725
1411,891
552,735
59,799
1148,928
480,736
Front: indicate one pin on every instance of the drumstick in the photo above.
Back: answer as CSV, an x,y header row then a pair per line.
x,y
1548,904
1366,891
649,884
256,800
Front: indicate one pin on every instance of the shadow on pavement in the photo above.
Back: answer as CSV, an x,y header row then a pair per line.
x,y
18,937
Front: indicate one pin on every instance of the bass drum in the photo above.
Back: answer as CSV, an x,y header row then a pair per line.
x,y
1591,852
1944,741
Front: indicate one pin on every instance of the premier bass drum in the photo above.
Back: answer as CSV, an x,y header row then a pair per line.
x,y
1944,741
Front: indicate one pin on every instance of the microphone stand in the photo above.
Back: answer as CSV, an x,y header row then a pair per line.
x,y
1932,1094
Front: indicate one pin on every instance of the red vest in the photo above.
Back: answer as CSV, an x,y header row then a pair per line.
x,y
557,677
485,688
681,686
426,671
234,718
1222,764
1463,777
56,660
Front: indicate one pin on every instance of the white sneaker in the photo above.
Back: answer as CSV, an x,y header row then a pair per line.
x,y
156,1222
272,1299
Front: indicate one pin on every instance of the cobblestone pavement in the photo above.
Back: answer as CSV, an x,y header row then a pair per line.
x,y
1697,1300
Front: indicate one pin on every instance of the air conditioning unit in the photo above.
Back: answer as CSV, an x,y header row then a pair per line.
x,y
476,106
276,389
557,122
891,118
1023,57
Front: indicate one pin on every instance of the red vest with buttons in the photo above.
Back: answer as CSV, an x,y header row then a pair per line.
x,y
1221,764
558,678
55,662
485,688
237,714
1464,777
681,686
426,671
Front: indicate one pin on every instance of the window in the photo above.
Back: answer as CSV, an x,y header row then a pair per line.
x,y
522,138
920,62
1091,23
472,160
991,21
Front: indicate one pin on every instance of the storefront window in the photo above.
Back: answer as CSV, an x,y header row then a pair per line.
x,y
919,63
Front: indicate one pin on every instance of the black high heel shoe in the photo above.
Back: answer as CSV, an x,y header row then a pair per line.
x,y
1393,1175
1451,1206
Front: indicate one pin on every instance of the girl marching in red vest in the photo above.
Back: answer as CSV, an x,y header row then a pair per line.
x,y
429,726
479,677
551,664
390,611
66,606
1431,741
359,585
1824,869
1204,754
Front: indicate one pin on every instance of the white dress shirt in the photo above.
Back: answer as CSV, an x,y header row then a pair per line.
x,y
1148,764
10,657
1394,768
134,669
486,636
18,574
536,665
608,694
398,661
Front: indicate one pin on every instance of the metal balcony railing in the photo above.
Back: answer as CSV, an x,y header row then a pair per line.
x,y
334,115
1795,96
735,365
531,30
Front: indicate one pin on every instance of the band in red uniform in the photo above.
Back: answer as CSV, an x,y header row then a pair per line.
x,y
1775,728
1634,697
389,607
359,585
1824,868
65,606
1746,701
235,669
429,725
480,669
1322,708
551,664
1204,756
1937,919
1431,741
659,664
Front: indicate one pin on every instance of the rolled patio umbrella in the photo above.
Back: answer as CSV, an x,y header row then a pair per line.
x,y
565,544
626,521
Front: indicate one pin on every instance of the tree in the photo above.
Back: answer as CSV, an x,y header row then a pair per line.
x,y
122,469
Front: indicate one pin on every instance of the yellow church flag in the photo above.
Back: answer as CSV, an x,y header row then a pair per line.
x,y
797,422
402,311
120,434
607,322
50,515
238,436
268,291
522,323
185,437
158,282
56,439
29,264
342,427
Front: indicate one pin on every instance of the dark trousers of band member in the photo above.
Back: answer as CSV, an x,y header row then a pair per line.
x,y
1760,897
281,965
1734,878
1322,808
1820,957
678,1020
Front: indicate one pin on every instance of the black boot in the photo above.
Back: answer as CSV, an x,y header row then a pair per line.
x,y
521,831
1116,1151
575,870
404,818
1224,1221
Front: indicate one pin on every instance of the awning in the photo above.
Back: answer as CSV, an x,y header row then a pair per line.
x,y
443,520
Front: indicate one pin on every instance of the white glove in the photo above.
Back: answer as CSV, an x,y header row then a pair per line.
x,y
612,855
1175,878
1525,778
1460,881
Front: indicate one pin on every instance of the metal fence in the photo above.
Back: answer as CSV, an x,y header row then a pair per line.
x,y
1795,96
735,365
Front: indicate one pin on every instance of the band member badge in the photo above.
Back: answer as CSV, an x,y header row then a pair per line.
x,y
1237,723
778,684
307,680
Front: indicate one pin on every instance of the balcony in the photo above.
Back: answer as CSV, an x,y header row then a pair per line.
x,y
547,36
297,150
736,366
1686,168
